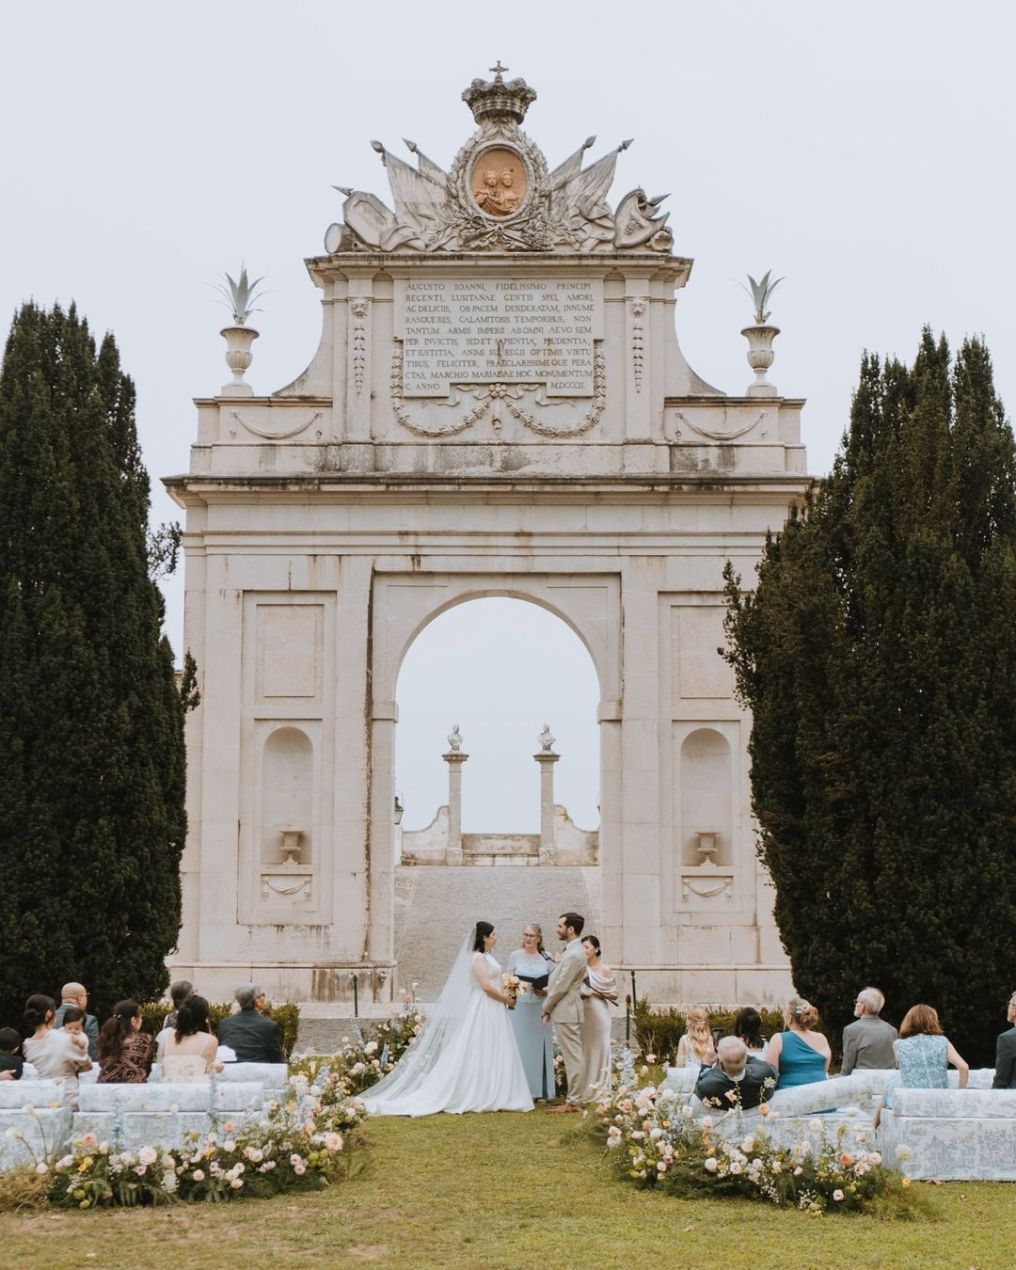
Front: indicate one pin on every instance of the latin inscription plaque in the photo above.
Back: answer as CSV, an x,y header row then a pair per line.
x,y
538,331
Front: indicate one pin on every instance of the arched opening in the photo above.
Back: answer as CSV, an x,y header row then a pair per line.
x,y
500,668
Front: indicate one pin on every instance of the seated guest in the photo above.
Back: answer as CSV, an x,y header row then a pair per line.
x,y
252,1037
12,1065
51,1050
739,1079
696,1047
748,1028
74,1025
800,1055
125,1052
1005,1053
924,1054
178,994
189,1051
868,1043
76,995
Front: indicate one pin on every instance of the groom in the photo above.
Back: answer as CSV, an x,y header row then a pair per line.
x,y
563,1004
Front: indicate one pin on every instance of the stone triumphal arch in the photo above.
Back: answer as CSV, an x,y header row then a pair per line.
x,y
498,406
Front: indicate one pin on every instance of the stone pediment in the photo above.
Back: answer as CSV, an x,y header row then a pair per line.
x,y
499,194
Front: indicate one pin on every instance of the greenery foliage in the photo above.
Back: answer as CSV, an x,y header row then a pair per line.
x,y
878,658
653,1140
286,1014
92,818
657,1032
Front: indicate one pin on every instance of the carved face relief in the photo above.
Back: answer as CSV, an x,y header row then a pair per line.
x,y
498,182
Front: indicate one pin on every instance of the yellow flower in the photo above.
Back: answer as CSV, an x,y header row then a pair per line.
x,y
906,1182
85,1164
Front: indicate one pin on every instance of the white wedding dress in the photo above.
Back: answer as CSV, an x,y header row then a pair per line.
x,y
465,1057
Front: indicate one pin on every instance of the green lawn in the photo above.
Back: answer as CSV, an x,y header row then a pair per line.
x,y
510,1190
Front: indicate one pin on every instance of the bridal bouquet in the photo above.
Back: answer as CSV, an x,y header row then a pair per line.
x,y
511,985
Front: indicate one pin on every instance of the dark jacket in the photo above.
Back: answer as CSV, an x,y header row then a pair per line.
x,y
868,1043
1005,1061
11,1063
716,1089
91,1028
252,1037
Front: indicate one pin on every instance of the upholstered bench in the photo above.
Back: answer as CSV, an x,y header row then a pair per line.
x,y
33,1121
271,1075
162,1114
967,1134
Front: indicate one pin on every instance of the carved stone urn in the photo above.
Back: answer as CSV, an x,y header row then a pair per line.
x,y
238,358
760,357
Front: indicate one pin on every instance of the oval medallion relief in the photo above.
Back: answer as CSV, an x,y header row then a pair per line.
x,y
498,182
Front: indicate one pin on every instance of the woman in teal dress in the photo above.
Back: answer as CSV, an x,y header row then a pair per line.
x,y
532,964
800,1055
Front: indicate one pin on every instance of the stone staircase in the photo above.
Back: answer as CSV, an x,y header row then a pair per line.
x,y
436,904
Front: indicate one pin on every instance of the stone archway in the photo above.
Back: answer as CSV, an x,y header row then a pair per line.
x,y
402,606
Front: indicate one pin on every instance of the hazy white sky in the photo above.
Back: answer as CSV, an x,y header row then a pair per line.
x,y
865,151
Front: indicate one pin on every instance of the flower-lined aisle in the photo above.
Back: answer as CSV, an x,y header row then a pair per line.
x,y
652,1139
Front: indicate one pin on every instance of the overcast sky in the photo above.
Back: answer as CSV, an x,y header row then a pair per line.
x,y
864,151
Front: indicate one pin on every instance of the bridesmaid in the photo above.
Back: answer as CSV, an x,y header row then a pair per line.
x,y
533,964
598,994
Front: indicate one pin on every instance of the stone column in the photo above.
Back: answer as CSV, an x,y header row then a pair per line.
x,y
546,759
454,758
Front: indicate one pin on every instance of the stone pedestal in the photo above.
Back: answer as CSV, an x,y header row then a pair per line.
x,y
546,760
454,759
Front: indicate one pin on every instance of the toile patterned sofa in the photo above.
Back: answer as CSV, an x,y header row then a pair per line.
x,y
948,1134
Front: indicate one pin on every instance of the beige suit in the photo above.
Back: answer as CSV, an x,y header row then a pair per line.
x,y
564,1005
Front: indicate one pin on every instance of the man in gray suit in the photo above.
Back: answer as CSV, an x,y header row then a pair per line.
x,y
868,1043
1005,1053
563,1004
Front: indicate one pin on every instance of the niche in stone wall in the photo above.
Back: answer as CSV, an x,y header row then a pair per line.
x,y
287,798
706,791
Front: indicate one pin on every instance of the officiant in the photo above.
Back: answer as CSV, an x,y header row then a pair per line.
x,y
532,965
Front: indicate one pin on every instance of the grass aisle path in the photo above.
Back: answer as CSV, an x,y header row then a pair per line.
x,y
509,1191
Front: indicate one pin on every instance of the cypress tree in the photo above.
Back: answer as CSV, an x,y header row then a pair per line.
x,y
91,723
878,657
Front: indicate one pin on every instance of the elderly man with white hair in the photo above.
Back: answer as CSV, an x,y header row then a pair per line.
x,y
739,1079
868,1043
252,1037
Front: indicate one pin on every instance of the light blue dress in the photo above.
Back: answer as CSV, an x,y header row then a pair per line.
x,y
799,1063
534,1039
922,1061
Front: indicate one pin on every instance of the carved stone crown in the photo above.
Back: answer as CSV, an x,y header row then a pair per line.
x,y
498,102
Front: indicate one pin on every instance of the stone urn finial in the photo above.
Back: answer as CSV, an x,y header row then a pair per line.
x,y
240,295
760,336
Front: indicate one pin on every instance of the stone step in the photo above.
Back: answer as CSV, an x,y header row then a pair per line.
x,y
437,904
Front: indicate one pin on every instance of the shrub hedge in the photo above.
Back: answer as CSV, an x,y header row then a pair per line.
x,y
285,1013
657,1032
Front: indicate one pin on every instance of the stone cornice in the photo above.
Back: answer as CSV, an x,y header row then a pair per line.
x,y
394,485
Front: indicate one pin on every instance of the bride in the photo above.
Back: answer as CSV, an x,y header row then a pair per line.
x,y
465,1057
